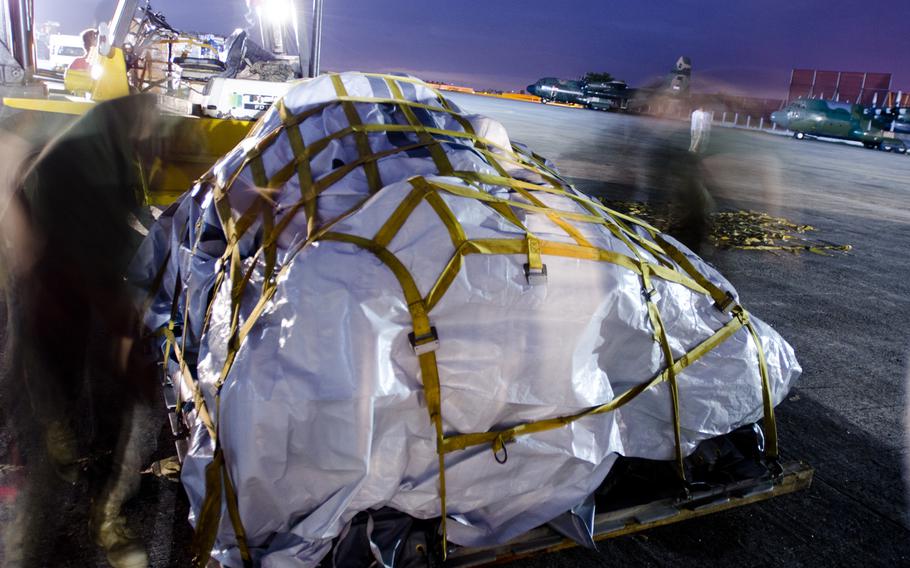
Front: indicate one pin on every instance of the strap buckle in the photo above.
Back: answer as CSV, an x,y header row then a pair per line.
x,y
425,343
724,305
651,295
536,276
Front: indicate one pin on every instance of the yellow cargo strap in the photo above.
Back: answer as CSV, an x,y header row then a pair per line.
x,y
652,257
725,302
363,141
424,341
216,478
535,269
304,175
434,145
651,297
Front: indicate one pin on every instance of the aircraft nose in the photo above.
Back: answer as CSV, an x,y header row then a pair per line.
x,y
779,117
531,89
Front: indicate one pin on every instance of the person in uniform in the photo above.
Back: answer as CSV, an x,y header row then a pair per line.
x,y
700,130
78,377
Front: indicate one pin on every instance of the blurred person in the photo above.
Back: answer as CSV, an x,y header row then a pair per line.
x,y
77,384
692,205
700,130
78,75
678,178
89,40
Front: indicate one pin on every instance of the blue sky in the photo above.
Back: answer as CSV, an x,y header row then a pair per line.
x,y
738,45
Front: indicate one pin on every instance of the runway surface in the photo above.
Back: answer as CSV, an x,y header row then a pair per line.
x,y
845,314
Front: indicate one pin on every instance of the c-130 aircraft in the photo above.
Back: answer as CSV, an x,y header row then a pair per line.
x,y
832,119
611,95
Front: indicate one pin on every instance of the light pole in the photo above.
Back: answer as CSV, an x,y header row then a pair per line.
x,y
317,38
309,36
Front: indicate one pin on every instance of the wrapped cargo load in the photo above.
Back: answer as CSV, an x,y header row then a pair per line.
x,y
376,300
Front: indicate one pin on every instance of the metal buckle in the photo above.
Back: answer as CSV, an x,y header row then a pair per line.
x,y
536,276
651,295
424,343
170,396
725,305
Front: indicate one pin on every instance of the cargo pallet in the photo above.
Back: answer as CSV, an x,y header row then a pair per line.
x,y
792,477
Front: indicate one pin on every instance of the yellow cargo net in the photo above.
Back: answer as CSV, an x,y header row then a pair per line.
x,y
670,265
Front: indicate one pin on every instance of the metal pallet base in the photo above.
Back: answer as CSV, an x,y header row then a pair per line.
x,y
795,476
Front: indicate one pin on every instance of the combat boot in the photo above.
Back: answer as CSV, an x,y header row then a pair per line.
x,y
123,547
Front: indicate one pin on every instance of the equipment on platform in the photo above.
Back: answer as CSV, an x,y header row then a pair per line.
x,y
17,51
139,51
389,332
240,99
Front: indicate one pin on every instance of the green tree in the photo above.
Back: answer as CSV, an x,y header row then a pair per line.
x,y
597,77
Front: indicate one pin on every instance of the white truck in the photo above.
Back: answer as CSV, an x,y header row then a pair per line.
x,y
64,50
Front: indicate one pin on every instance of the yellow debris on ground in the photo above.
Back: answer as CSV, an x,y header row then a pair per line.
x,y
744,230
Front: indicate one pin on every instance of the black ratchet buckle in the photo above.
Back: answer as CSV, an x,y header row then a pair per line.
x,y
725,304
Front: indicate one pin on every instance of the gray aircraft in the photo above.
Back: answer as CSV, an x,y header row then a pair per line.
x,y
832,119
611,95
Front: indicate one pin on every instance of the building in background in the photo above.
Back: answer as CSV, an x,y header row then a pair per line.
x,y
865,88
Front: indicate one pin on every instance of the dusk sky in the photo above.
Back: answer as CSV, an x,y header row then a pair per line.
x,y
735,45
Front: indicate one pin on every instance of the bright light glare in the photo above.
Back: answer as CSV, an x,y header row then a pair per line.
x,y
276,11
97,71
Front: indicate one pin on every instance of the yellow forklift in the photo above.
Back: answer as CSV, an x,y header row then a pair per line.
x,y
134,53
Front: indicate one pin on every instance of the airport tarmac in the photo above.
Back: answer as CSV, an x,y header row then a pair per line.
x,y
844,314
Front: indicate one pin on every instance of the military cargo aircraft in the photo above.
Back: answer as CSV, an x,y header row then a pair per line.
x,y
551,89
607,95
830,119
611,95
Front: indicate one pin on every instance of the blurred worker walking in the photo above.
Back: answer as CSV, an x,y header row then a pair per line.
x,y
700,130
89,40
77,382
